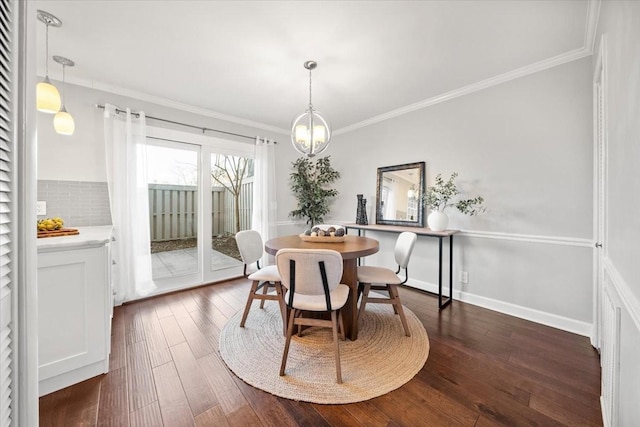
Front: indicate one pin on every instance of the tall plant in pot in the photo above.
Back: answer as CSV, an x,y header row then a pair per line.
x,y
310,183
444,194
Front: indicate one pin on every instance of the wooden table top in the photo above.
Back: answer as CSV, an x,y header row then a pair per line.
x,y
352,247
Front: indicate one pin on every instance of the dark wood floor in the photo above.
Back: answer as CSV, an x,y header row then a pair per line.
x,y
484,368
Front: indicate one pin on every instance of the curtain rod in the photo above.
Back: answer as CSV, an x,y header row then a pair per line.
x,y
202,128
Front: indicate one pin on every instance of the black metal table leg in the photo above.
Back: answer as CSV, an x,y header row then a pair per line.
x,y
448,300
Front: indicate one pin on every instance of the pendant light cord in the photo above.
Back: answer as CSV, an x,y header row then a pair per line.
x,y
46,58
64,93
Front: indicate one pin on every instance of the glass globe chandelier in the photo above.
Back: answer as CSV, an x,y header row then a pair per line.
x,y
63,121
310,132
47,96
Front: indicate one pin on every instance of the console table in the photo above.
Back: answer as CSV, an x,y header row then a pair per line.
x,y
443,301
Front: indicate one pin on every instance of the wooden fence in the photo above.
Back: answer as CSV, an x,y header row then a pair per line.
x,y
173,211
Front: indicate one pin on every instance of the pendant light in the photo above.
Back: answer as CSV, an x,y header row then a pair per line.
x,y
310,132
63,121
47,96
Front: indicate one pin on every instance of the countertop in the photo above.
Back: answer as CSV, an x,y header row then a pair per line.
x,y
88,237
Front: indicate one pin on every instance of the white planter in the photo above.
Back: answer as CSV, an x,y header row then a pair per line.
x,y
437,221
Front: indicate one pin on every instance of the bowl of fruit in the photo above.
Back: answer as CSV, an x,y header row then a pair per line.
x,y
324,234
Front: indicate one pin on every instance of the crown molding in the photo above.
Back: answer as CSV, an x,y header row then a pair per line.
x,y
474,87
117,90
593,13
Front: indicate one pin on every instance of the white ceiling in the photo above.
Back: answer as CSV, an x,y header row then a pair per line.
x,y
244,59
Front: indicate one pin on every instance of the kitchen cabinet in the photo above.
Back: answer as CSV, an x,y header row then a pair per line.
x,y
75,307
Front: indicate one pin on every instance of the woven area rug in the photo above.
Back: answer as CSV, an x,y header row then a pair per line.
x,y
379,361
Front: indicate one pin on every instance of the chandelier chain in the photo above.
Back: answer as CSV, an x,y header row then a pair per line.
x,y
310,105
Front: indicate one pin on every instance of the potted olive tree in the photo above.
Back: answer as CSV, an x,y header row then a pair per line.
x,y
444,194
311,184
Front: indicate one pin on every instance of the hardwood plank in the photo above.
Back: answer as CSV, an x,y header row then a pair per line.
x,y
336,415
53,408
147,416
113,408
132,323
118,355
368,414
220,379
156,343
162,309
142,388
266,406
198,343
83,403
212,417
172,332
173,403
557,410
197,389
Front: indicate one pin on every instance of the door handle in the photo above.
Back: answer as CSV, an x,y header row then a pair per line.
x,y
598,245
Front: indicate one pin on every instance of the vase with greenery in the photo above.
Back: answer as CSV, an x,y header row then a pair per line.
x,y
311,184
444,194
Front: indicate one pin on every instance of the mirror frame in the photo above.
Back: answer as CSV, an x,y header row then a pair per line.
x,y
419,222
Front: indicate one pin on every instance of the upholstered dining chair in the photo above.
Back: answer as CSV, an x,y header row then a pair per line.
x,y
312,279
251,249
384,279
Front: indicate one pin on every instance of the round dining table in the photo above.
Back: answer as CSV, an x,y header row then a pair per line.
x,y
352,248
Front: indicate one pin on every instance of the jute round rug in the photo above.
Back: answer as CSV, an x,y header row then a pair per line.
x,y
379,361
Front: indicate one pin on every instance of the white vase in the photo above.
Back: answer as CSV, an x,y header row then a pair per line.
x,y
437,221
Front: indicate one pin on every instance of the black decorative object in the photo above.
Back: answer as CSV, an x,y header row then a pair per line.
x,y
361,213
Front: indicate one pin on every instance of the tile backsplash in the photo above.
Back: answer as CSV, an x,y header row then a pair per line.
x,y
79,203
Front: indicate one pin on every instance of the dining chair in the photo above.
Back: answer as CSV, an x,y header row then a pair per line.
x,y
251,250
385,279
312,279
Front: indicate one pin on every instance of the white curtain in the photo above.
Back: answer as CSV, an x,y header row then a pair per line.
x,y
264,190
125,145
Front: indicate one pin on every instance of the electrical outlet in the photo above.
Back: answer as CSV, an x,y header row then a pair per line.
x,y
41,208
464,277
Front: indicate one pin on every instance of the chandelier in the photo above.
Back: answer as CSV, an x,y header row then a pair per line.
x,y
310,132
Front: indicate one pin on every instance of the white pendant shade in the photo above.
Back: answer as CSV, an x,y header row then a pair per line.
x,y
63,122
48,97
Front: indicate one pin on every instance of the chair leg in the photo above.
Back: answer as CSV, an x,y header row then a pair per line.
x,y
334,325
392,296
365,296
283,308
265,289
343,337
252,292
285,354
397,304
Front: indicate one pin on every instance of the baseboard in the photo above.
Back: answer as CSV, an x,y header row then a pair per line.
x,y
544,318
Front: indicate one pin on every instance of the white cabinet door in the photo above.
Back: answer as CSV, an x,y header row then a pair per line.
x,y
73,312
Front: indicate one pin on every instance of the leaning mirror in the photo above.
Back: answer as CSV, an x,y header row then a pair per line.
x,y
398,195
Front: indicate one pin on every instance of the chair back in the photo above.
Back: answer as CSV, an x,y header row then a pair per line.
x,y
404,247
308,275
250,246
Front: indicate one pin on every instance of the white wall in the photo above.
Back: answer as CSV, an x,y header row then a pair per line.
x,y
620,22
526,146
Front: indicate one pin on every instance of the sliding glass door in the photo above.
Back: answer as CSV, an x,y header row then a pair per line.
x,y
200,195
174,210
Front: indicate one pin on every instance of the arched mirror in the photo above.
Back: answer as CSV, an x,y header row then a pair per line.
x,y
399,193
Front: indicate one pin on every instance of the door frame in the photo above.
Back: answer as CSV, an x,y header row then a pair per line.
x,y
600,205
